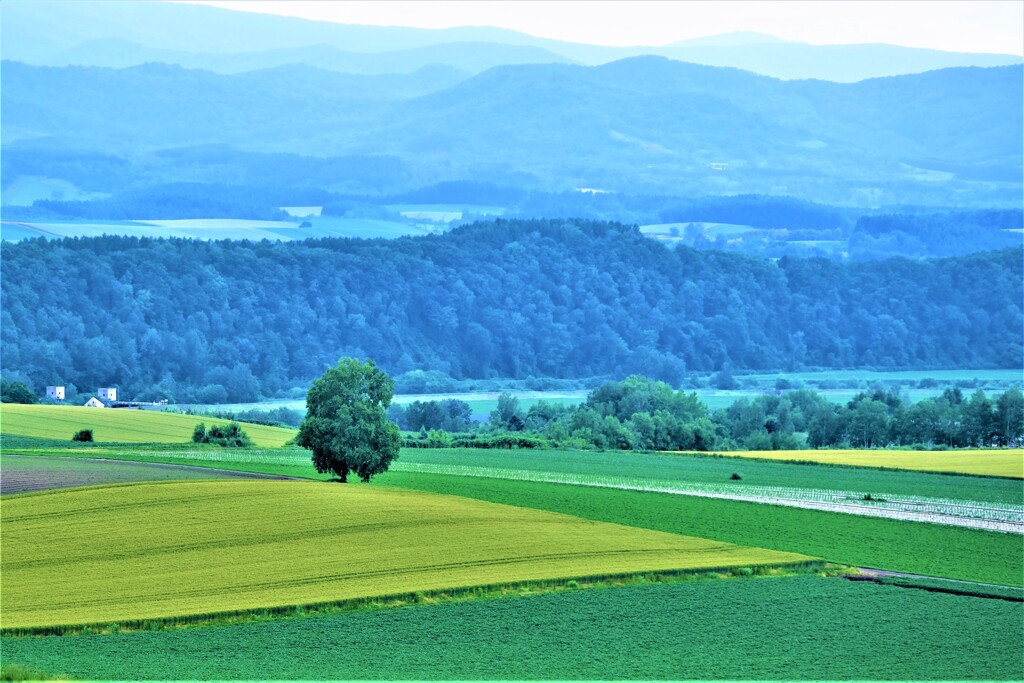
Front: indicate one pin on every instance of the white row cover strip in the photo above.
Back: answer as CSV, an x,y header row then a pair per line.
x,y
975,515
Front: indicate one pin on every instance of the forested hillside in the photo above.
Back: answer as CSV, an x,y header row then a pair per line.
x,y
214,321
665,127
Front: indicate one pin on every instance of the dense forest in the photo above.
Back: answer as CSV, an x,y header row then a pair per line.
x,y
233,321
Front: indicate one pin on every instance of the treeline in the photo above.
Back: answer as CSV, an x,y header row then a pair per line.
x,y
643,414
214,322
936,234
759,212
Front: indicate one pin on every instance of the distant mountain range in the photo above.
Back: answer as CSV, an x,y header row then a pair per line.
x,y
120,33
640,125
105,96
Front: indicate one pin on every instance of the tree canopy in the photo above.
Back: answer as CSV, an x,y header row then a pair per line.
x,y
346,425
216,322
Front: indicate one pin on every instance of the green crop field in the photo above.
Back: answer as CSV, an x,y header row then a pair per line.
x,y
884,544
120,425
913,547
989,462
1009,375
179,549
804,627
713,469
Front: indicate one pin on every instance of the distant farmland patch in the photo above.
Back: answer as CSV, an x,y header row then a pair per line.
x,y
148,551
120,425
988,462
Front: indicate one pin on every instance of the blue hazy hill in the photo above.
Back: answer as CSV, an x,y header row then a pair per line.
x,y
646,124
120,33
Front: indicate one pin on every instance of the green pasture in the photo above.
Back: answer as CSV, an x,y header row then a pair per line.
x,y
1006,375
120,425
180,549
913,547
799,628
697,468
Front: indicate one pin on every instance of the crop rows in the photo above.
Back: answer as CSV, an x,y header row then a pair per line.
x,y
800,628
151,551
988,516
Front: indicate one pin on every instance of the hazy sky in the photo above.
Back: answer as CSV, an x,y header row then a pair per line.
x,y
973,26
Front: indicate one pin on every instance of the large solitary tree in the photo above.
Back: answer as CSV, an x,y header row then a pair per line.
x,y
346,426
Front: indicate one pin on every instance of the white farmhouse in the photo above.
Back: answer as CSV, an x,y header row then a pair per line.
x,y
56,393
107,393
93,402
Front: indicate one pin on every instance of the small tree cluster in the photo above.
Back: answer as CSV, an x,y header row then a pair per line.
x,y
16,392
84,435
231,436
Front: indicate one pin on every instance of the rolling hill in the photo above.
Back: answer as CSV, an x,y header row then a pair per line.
x,y
120,425
641,125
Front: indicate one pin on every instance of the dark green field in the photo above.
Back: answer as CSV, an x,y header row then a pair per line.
x,y
784,628
912,547
710,469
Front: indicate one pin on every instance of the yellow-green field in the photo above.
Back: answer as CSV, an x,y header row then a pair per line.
x,y
154,550
118,424
1001,463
